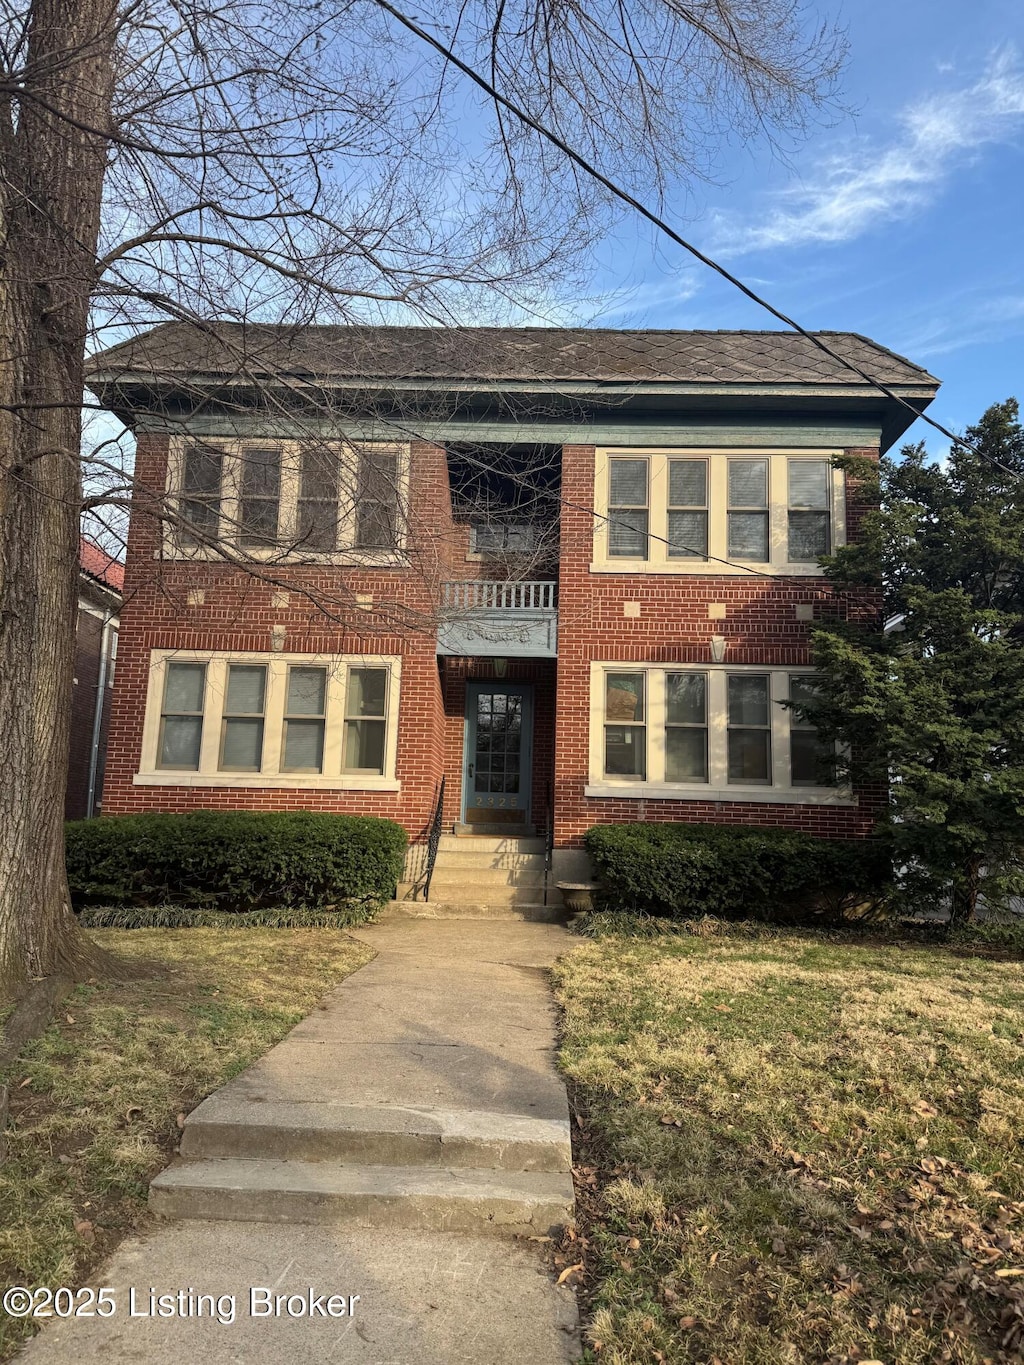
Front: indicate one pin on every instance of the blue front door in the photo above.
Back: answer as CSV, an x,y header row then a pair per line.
x,y
499,740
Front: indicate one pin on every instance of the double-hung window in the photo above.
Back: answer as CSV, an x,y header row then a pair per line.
x,y
221,719
377,500
259,500
625,730
199,501
628,508
317,510
748,522
710,732
688,509
808,529
181,716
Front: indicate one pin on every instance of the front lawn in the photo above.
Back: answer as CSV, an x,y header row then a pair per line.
x,y
96,1102
795,1149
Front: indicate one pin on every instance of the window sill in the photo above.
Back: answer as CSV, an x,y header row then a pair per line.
x,y
708,568
790,796
293,781
236,557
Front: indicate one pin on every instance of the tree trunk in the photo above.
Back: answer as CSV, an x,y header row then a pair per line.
x,y
52,160
964,899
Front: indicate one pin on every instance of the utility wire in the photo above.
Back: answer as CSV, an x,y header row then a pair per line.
x,y
518,112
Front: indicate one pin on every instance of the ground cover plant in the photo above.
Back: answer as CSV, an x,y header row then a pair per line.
x,y
796,1148
96,1102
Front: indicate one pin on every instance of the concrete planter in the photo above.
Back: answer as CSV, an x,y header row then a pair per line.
x,y
577,896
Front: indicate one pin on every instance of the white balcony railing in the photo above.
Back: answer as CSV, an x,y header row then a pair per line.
x,y
490,617
478,594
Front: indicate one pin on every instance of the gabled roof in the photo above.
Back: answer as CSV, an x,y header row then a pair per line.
x,y
99,565
546,355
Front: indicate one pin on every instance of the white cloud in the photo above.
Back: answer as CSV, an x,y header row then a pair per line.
x,y
867,184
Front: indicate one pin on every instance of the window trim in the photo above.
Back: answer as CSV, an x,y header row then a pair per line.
x,y
717,788
272,775
175,545
658,560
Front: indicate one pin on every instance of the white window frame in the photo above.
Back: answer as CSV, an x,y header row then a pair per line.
x,y
271,775
287,525
658,560
718,787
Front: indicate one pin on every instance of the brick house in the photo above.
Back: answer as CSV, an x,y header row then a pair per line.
x,y
571,572
100,589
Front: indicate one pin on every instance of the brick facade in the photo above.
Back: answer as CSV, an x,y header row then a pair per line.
x,y
237,612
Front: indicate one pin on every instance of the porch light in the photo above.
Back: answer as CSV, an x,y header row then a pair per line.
x,y
718,648
500,667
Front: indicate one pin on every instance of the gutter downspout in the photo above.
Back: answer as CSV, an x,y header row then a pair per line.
x,y
97,718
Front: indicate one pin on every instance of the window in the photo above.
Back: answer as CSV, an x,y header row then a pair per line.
x,y
304,720
686,727
748,510
181,718
276,720
317,520
750,736
260,496
199,503
711,732
365,714
808,527
679,511
241,741
688,509
625,735
288,498
377,500
628,510
494,538
812,761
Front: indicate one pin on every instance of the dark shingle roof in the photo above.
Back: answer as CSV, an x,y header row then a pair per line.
x,y
496,354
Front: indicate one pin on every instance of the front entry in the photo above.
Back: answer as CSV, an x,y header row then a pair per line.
x,y
498,753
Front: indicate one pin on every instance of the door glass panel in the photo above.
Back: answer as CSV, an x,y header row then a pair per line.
x,y
498,744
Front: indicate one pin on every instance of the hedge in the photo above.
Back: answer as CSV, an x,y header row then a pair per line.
x,y
686,871
234,860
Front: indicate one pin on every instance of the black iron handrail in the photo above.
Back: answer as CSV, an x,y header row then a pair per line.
x,y
549,837
434,838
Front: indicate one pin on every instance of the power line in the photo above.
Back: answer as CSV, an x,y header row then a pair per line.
x,y
518,112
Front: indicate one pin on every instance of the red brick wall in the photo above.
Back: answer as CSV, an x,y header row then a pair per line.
x,y
321,618
760,628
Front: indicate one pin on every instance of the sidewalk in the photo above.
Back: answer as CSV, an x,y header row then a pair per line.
x,y
387,1148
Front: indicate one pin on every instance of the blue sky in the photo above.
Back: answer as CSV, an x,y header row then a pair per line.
x,y
904,220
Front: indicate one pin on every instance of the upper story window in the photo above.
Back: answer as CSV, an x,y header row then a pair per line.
x,y
287,498
665,511
502,538
217,719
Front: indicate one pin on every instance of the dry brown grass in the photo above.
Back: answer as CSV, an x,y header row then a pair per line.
x,y
95,1101
798,1151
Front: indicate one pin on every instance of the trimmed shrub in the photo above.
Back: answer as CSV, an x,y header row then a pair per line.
x,y
684,871
181,917
234,860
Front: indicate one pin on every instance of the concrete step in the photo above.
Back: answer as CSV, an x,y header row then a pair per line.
x,y
225,1126
535,912
507,1203
489,843
478,893
485,877
508,860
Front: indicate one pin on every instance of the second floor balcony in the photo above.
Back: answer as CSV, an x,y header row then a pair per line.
x,y
492,618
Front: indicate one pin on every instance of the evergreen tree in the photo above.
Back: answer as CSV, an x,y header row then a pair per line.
x,y
934,707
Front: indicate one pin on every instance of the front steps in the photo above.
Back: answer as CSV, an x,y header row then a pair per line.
x,y
485,876
421,1095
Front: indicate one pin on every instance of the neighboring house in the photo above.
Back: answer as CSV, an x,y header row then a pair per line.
x,y
100,593
680,487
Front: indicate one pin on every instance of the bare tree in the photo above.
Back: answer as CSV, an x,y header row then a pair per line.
x,y
252,160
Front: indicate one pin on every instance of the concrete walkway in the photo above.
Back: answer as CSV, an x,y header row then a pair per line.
x,y
402,1144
